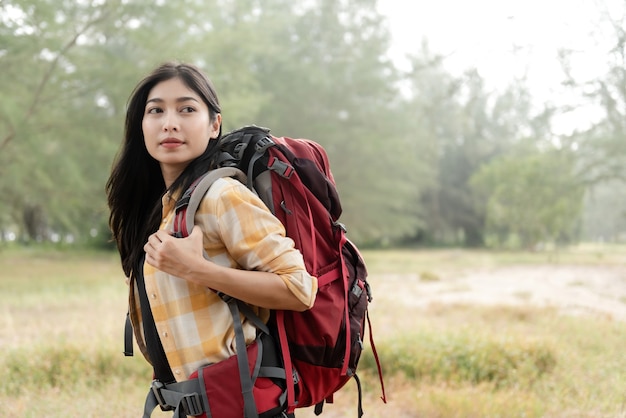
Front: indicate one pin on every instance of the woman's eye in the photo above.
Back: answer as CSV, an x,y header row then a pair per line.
x,y
154,110
188,109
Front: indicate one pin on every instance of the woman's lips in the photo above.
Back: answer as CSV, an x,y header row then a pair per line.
x,y
171,143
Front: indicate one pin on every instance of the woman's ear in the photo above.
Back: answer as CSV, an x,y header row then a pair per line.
x,y
215,126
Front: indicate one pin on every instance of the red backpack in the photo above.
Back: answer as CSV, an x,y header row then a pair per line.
x,y
319,348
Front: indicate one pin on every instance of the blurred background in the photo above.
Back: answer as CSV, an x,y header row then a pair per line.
x,y
450,123
479,151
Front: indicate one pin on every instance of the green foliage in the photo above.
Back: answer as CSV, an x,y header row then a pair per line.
x,y
534,197
601,148
457,358
340,92
467,125
403,145
276,63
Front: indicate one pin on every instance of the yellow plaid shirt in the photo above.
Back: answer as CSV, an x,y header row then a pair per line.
x,y
194,324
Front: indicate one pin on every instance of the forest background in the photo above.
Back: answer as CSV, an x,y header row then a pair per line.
x,y
427,156
422,155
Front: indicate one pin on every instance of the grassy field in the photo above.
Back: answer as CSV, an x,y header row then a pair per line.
x,y
62,317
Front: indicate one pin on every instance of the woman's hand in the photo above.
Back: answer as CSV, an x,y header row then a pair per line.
x,y
184,258
175,256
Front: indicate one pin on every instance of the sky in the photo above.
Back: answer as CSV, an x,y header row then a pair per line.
x,y
505,39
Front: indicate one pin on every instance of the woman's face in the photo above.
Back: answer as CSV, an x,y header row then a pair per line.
x,y
176,126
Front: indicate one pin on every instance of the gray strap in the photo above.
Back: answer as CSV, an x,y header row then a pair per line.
x,y
204,185
150,404
245,309
272,372
249,405
259,150
205,397
257,363
174,395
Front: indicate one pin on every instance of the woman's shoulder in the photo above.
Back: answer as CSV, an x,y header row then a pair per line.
x,y
228,185
228,189
230,197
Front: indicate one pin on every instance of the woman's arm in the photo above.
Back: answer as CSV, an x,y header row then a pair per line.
x,y
249,256
183,257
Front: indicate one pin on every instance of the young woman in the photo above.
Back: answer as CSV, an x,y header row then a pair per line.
x,y
173,122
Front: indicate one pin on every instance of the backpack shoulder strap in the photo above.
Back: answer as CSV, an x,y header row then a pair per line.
x,y
191,199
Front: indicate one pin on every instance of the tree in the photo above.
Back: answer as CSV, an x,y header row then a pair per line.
x,y
67,72
39,91
468,125
601,149
304,69
324,76
531,198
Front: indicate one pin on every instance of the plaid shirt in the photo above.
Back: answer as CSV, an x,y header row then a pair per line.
x,y
194,324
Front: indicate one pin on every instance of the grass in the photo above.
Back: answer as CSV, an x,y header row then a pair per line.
x,y
62,316
460,358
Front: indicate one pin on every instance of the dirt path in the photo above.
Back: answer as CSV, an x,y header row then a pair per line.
x,y
593,290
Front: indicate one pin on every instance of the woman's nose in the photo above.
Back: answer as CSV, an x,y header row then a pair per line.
x,y
171,122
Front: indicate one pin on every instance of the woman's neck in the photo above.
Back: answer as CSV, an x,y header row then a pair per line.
x,y
170,174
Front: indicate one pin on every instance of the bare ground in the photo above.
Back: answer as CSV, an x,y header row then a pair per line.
x,y
595,290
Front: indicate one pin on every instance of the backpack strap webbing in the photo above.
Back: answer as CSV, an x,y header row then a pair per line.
x,y
380,370
319,407
128,336
247,386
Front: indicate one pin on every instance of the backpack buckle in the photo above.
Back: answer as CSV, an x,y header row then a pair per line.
x,y
156,390
341,226
368,289
239,149
263,144
182,202
192,404
280,167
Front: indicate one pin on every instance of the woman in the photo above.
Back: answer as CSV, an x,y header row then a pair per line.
x,y
173,122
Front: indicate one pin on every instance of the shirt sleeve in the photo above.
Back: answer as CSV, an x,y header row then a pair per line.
x,y
238,226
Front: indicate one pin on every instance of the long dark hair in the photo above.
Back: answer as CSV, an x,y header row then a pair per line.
x,y
136,185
